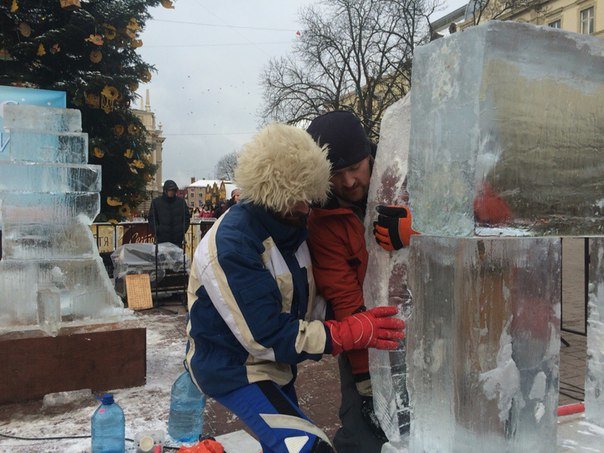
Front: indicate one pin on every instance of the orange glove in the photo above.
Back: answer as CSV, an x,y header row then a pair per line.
x,y
393,230
375,328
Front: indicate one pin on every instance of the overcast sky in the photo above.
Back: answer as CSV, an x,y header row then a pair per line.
x,y
209,56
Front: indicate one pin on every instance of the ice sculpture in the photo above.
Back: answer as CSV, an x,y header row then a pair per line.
x,y
51,273
594,377
508,132
388,186
484,344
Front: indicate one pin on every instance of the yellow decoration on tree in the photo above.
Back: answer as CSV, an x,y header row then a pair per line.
x,y
137,163
41,50
133,86
118,130
128,154
133,24
136,43
96,56
93,100
110,31
98,152
109,95
146,76
132,129
70,5
97,40
24,29
112,201
14,6
125,210
167,4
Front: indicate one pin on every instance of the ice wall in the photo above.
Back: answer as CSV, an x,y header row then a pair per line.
x,y
386,279
508,133
51,273
484,342
594,376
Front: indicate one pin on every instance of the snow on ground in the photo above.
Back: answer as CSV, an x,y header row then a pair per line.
x,y
146,408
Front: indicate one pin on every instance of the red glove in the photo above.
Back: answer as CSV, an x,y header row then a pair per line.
x,y
393,230
374,328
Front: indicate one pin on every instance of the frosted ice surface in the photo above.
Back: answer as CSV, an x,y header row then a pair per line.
x,y
594,376
41,119
51,274
44,177
507,132
64,148
386,279
484,341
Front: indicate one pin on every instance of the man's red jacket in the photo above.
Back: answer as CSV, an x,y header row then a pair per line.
x,y
336,238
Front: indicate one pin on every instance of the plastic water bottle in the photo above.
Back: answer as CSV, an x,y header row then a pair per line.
x,y
108,427
187,403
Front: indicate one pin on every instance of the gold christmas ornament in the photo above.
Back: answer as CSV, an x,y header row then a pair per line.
x,y
41,50
133,24
96,56
146,76
97,40
128,154
24,29
98,152
56,48
118,130
167,4
92,100
5,55
70,5
109,95
132,129
113,201
133,86
125,210
137,163
110,31
136,43
14,6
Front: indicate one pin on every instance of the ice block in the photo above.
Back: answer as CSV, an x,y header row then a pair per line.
x,y
51,274
484,342
63,148
507,132
594,376
386,279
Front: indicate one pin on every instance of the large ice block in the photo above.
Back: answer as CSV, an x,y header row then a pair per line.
x,y
594,376
51,274
45,177
386,279
42,119
484,342
63,148
507,132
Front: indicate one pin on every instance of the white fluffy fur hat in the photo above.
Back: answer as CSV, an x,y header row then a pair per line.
x,y
281,166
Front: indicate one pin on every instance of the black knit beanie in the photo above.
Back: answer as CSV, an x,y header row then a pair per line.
x,y
344,135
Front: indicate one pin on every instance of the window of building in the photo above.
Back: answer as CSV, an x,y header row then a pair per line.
x,y
586,19
555,24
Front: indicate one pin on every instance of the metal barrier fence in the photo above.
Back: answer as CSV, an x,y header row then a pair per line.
x,y
110,236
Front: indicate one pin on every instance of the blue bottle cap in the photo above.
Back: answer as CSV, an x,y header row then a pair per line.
x,y
107,399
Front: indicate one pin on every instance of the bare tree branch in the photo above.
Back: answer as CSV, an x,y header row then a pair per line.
x,y
225,167
351,55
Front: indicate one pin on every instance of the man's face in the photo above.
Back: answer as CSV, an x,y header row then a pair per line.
x,y
297,215
236,194
352,183
171,193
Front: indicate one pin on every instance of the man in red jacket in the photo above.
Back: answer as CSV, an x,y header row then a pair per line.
x,y
336,238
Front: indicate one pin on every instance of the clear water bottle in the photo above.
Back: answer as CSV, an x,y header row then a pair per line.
x,y
108,427
187,403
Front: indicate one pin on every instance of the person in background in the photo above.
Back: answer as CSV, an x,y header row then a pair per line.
x,y
235,194
251,295
206,211
336,238
169,216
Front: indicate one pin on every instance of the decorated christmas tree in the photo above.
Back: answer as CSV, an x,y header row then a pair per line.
x,y
88,49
